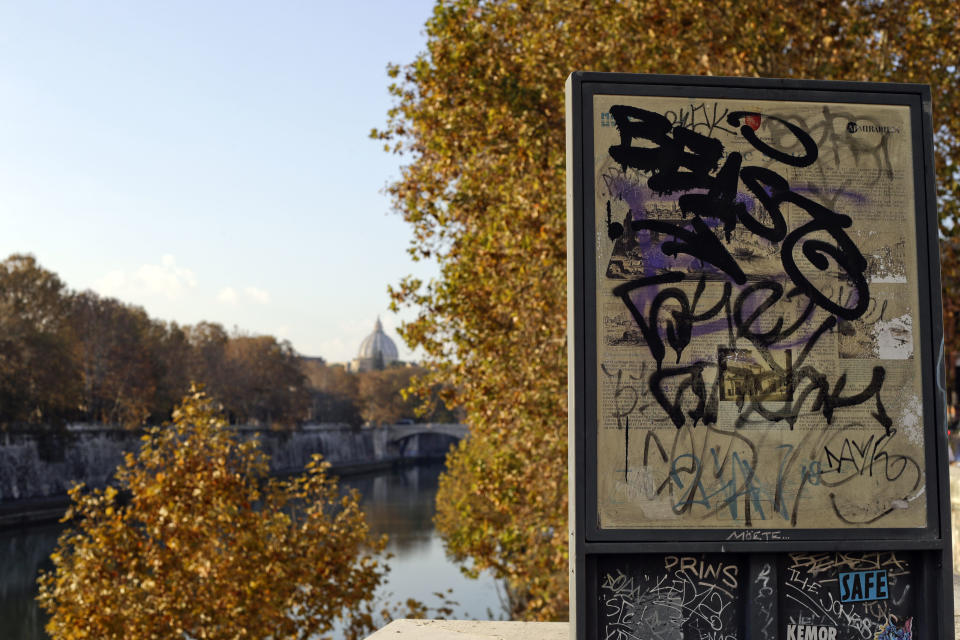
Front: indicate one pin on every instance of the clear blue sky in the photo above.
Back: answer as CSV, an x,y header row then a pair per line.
x,y
210,160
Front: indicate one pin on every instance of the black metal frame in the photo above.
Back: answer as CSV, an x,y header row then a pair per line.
x,y
589,541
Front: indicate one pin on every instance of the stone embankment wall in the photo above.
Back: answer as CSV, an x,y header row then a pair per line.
x,y
39,466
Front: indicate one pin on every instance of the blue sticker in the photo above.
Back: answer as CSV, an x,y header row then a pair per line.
x,y
858,586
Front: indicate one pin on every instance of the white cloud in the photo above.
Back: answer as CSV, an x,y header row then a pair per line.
x,y
166,279
111,283
257,295
227,295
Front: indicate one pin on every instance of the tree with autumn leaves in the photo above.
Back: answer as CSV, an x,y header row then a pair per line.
x,y
77,356
479,117
198,542
38,378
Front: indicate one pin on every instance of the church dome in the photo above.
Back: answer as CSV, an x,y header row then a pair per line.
x,y
378,343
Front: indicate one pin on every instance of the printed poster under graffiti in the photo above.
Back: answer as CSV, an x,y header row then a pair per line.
x,y
756,294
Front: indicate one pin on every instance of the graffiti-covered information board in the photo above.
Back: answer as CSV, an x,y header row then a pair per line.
x,y
756,351
850,595
671,596
756,291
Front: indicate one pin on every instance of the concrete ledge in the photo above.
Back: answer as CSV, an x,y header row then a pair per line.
x,y
485,630
472,630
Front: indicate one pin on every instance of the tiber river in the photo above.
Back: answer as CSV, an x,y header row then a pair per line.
x,y
399,503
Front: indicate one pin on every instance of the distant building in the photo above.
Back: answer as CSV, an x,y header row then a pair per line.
x,y
377,351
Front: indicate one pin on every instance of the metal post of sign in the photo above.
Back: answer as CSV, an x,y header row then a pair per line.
x,y
757,399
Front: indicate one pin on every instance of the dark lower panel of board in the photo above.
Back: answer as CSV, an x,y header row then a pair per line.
x,y
785,596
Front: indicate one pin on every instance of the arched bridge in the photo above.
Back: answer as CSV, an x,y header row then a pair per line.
x,y
400,431
428,439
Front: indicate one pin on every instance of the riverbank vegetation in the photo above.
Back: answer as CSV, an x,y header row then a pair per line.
x,y
206,545
68,356
374,397
480,118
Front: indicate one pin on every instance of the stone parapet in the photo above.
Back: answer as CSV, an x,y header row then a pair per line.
x,y
471,630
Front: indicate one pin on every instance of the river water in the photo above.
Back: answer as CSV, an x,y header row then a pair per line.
x,y
399,503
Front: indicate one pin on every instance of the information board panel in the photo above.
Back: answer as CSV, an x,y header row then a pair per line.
x,y
756,289
756,360
849,596
671,596
724,596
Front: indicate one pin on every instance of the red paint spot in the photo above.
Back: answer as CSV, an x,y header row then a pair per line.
x,y
753,121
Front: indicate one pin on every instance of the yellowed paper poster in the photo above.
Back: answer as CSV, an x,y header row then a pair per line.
x,y
756,315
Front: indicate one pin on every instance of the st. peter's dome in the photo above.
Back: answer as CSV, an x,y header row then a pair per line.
x,y
376,351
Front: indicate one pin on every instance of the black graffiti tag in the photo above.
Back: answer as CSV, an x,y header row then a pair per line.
x,y
680,160
693,167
